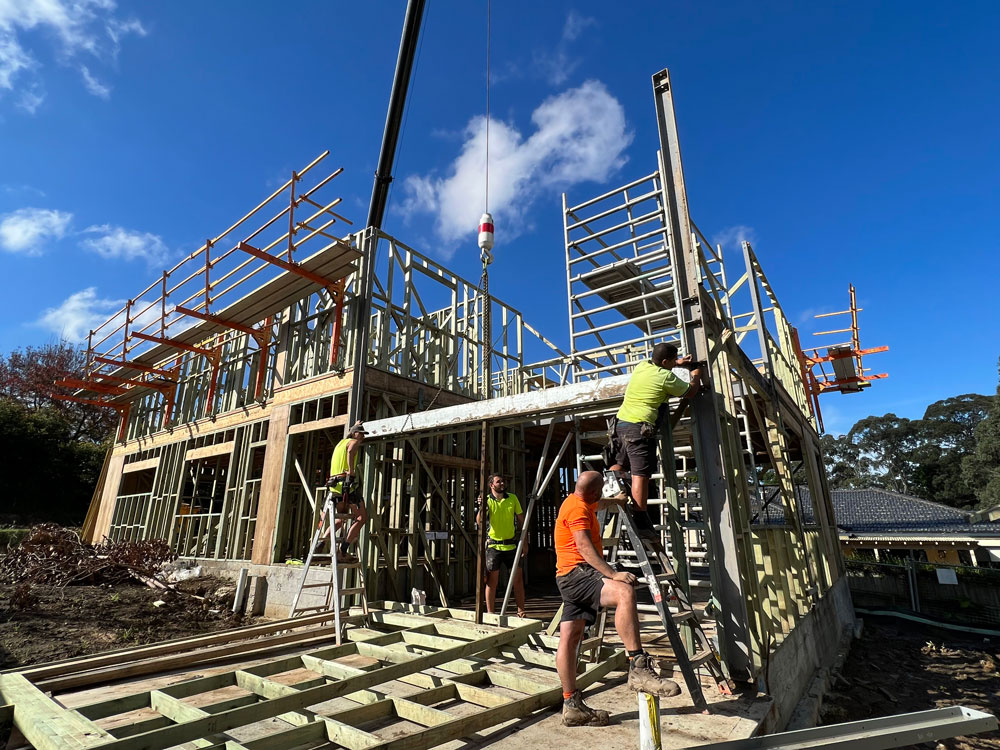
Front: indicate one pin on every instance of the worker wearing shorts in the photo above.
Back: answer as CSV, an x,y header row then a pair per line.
x,y
652,384
586,583
504,517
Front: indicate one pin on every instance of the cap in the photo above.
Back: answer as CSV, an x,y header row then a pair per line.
x,y
356,428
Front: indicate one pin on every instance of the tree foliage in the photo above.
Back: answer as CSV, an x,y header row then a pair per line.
x,y
932,457
981,467
52,449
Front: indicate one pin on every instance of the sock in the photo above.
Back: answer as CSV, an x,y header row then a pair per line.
x,y
343,548
567,696
633,654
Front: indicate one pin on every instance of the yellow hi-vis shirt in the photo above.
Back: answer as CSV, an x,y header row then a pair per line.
x,y
338,464
501,519
649,387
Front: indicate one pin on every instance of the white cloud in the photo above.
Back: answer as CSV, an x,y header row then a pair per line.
x,y
732,236
556,64
580,135
117,243
83,312
31,99
13,59
25,230
94,86
79,27
22,190
79,314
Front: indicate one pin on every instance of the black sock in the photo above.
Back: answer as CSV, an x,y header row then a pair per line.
x,y
343,548
633,654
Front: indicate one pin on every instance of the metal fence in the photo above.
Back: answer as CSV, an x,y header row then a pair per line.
x,y
954,594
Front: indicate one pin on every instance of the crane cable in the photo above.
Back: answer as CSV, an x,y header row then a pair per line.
x,y
488,15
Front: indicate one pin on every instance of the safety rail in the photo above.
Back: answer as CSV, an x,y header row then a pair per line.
x,y
149,341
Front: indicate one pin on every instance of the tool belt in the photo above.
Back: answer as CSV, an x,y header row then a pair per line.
x,y
490,541
347,486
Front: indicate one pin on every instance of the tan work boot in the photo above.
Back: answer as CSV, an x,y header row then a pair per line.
x,y
576,713
643,678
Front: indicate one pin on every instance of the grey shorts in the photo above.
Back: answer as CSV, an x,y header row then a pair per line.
x,y
495,558
581,594
637,453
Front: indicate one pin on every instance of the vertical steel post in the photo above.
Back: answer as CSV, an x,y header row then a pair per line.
x,y
727,581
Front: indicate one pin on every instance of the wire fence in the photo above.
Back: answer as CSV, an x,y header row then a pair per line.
x,y
956,594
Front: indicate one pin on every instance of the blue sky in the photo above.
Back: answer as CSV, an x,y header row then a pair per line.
x,y
852,142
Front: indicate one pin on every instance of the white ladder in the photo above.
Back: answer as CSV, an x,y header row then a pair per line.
x,y
327,529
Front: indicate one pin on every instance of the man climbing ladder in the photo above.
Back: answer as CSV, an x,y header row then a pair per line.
x,y
650,387
343,484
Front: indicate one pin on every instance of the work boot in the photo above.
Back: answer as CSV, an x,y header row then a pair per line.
x,y
643,678
576,713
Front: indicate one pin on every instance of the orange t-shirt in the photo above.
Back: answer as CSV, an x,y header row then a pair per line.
x,y
574,515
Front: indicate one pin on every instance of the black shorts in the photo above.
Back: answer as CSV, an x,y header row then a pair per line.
x,y
581,594
495,558
637,453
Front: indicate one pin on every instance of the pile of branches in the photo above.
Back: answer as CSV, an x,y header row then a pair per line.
x,y
56,556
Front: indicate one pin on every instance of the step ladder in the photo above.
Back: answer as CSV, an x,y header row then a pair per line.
x,y
326,532
693,650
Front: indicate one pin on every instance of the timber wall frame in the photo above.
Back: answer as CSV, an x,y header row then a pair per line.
x,y
638,272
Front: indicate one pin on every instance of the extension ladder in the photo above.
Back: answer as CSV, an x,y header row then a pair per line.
x,y
336,590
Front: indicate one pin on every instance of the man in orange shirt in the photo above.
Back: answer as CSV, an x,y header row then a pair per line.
x,y
587,583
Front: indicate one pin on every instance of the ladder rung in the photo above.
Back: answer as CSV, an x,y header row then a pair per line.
x,y
320,608
683,616
700,658
355,590
593,457
660,578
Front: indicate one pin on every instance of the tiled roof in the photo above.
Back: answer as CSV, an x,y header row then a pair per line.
x,y
877,512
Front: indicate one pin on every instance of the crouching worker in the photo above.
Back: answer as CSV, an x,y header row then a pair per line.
x,y
343,485
587,583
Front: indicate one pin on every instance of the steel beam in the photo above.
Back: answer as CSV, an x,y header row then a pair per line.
x,y
727,584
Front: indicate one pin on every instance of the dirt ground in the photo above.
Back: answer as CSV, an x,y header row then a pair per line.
x,y
77,620
899,667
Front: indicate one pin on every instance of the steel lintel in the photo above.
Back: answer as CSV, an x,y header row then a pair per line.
x,y
533,406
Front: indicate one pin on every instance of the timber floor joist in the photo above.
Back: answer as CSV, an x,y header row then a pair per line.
x,y
406,678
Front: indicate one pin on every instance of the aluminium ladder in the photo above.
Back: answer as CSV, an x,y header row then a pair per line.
x,y
326,529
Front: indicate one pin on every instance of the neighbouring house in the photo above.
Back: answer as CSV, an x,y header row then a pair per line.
x,y
879,523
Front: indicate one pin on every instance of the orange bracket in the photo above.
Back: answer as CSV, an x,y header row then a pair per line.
x,y
86,385
173,343
285,265
132,365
